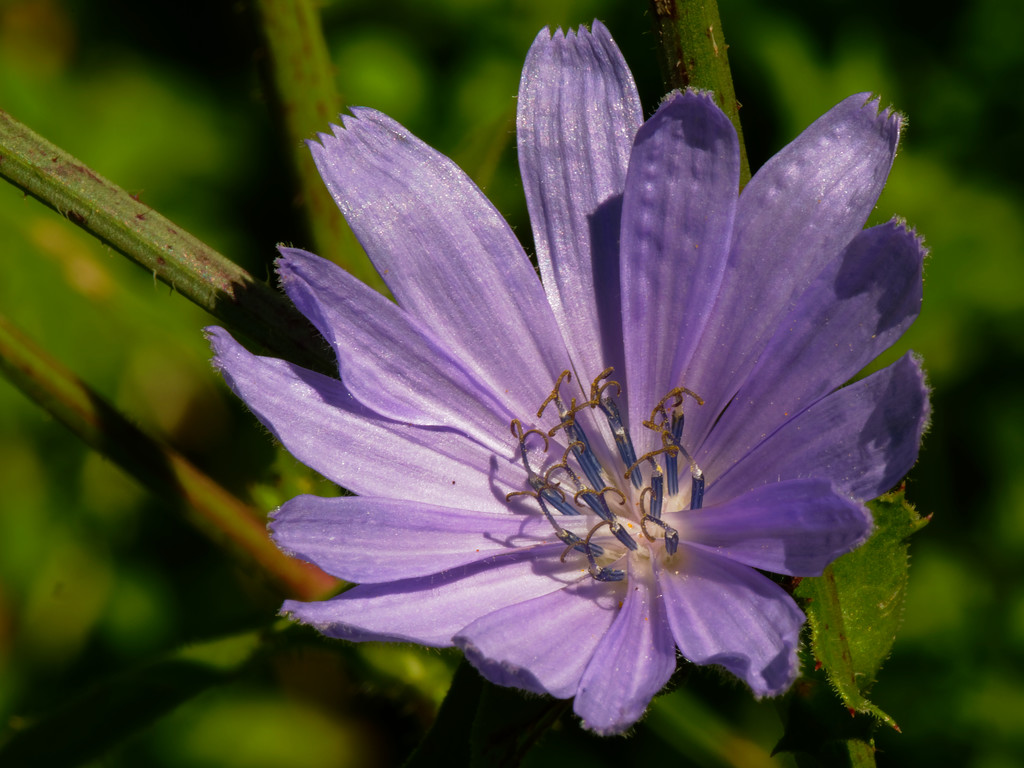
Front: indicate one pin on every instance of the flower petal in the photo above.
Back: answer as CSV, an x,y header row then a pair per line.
x,y
856,309
863,438
445,252
564,628
433,609
796,527
677,217
324,427
796,215
578,112
372,540
634,659
725,613
386,360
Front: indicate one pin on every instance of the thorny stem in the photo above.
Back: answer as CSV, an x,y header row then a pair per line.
x,y
692,54
158,245
300,79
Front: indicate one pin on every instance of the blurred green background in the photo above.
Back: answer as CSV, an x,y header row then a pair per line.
x,y
98,578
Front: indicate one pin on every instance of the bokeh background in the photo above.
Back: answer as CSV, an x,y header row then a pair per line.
x,y
98,578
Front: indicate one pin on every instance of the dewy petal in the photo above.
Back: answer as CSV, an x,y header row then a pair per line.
x,y
373,540
578,113
797,214
677,217
386,360
856,309
564,629
633,661
725,613
324,427
863,439
432,610
796,527
445,252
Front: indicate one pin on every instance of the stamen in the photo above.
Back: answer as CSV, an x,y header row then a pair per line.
x,y
697,488
672,434
672,462
586,473
519,434
657,492
596,501
553,397
611,411
649,456
599,573
588,461
655,489
585,456
597,390
671,534
564,465
575,542
553,495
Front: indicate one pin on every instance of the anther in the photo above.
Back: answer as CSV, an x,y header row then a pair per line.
x,y
649,456
671,429
597,388
554,396
598,573
600,493
568,537
696,488
575,542
597,503
672,462
671,534
584,455
622,440
551,493
657,492
520,435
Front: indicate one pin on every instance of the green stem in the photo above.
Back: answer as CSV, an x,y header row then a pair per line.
x,y
224,518
692,54
188,265
300,78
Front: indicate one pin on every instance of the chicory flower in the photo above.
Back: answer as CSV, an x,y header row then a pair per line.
x,y
571,478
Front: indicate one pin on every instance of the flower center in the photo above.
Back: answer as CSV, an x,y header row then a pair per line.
x,y
585,481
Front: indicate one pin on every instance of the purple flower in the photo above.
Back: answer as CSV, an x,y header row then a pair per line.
x,y
570,531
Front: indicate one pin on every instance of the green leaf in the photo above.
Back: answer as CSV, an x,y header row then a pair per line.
x,y
855,608
94,721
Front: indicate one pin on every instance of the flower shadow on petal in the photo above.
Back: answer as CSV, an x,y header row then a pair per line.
x,y
895,427
604,225
852,279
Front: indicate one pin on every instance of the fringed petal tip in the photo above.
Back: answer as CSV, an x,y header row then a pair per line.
x,y
223,346
888,115
705,95
924,424
902,226
889,121
597,29
328,141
